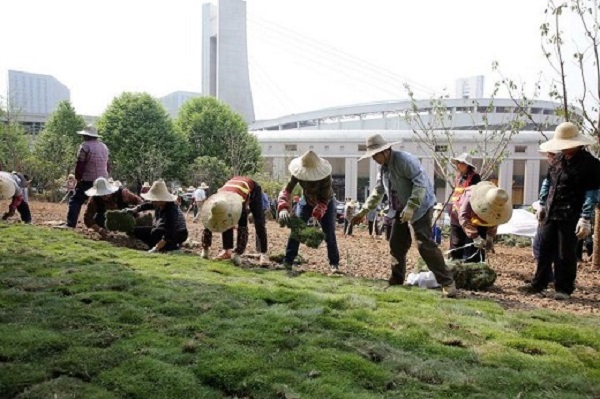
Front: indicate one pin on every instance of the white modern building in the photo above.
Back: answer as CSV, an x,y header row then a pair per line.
x,y
173,101
470,87
34,93
225,72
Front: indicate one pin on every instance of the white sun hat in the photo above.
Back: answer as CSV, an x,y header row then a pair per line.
x,y
7,186
566,135
89,131
310,167
203,186
159,192
221,211
491,203
463,158
101,187
375,144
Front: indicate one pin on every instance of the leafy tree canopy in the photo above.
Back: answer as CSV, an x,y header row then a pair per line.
x,y
210,170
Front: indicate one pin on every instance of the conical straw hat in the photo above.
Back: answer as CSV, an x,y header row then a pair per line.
x,y
221,211
159,192
310,167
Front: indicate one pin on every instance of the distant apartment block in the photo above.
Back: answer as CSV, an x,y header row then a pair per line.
x,y
33,93
470,87
173,101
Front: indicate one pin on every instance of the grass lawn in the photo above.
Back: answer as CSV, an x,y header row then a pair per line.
x,y
83,319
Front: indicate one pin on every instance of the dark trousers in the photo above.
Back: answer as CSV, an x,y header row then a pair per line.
x,y
77,201
347,227
304,212
458,239
472,254
558,244
400,242
151,236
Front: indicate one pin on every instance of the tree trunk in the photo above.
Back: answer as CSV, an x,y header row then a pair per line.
x,y
596,239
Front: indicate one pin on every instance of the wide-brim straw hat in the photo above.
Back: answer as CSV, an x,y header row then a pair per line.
x,y
159,192
566,136
146,185
310,167
375,144
463,158
203,186
491,203
7,186
221,211
89,131
71,176
101,187
191,188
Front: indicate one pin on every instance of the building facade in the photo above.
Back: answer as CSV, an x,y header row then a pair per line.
x,y
173,101
34,93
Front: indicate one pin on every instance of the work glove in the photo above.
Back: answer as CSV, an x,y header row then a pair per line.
x,y
134,211
479,243
358,217
319,211
407,214
583,228
540,214
152,250
284,215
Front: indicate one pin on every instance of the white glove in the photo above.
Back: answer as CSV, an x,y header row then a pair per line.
x,y
151,251
284,215
407,214
479,243
583,228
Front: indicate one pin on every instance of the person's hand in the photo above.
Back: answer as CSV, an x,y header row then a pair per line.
x,y
358,217
540,214
319,211
479,243
583,228
152,250
284,215
407,214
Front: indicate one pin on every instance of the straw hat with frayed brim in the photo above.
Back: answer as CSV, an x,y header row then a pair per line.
x,y
159,192
310,167
203,186
221,211
375,144
101,187
566,136
7,185
491,203
89,131
463,158
146,185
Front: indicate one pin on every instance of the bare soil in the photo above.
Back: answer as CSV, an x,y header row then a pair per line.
x,y
363,256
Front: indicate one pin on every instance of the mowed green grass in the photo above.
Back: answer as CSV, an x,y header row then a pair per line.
x,y
84,319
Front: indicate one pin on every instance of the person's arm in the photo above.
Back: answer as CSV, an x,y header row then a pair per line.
x,y
283,199
464,216
130,198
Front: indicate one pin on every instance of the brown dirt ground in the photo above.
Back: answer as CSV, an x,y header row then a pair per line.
x,y
363,256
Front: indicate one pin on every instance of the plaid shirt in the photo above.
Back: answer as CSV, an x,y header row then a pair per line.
x,y
94,154
315,192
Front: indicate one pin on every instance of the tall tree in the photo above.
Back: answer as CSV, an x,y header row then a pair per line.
x,y
56,146
14,146
212,129
211,170
141,138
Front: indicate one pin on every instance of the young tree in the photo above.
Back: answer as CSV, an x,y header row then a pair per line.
x,y
14,146
56,146
212,129
141,138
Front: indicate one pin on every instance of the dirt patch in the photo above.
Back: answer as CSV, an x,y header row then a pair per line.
x,y
363,256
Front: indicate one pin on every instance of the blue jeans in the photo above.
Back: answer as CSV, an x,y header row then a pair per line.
x,y
304,212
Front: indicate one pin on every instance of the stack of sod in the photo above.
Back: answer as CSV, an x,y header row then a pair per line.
x,y
310,236
472,276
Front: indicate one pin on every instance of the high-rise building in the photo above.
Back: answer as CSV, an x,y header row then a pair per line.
x,y
173,101
33,93
470,87
225,72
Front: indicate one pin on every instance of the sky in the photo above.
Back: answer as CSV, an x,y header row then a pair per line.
x,y
303,54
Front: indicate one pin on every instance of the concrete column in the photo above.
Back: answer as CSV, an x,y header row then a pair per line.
x,y
279,168
351,174
372,174
532,181
505,175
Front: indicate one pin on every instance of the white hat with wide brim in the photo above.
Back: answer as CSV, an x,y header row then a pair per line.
x,y
310,167
566,136
7,186
221,211
463,158
375,144
101,187
89,131
203,186
159,192
491,203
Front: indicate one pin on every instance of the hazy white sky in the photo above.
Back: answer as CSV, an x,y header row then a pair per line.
x,y
303,54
